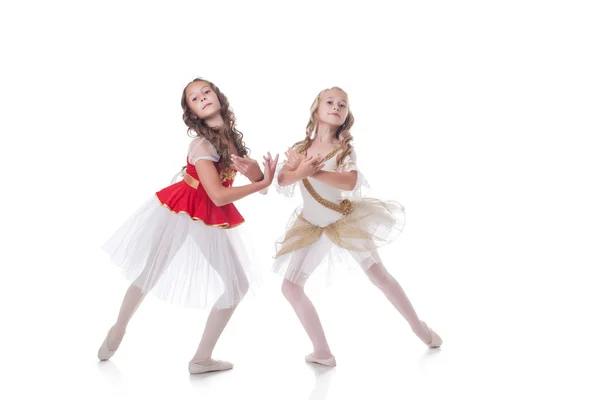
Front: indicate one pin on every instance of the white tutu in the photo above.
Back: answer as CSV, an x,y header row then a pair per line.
x,y
183,261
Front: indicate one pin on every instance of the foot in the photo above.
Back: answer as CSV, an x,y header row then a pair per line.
x,y
208,365
328,362
110,345
434,340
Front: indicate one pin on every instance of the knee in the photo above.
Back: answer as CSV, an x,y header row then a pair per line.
x,y
379,275
291,291
242,289
234,293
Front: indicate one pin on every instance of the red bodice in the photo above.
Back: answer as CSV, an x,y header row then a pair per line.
x,y
182,197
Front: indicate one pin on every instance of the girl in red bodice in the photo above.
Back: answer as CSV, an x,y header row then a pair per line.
x,y
185,244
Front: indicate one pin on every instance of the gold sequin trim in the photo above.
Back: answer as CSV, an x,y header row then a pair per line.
x,y
225,225
228,174
344,208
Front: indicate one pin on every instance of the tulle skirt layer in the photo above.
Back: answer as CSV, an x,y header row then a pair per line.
x,y
181,260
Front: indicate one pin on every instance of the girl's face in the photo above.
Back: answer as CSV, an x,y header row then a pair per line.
x,y
202,99
333,107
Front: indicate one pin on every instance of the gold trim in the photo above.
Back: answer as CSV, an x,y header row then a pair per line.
x,y
190,180
344,208
227,174
225,225
193,182
332,153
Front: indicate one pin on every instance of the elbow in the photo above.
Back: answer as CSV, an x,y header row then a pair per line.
x,y
220,202
218,199
351,185
281,182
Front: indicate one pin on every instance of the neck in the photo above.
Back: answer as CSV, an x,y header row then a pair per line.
x,y
215,121
326,134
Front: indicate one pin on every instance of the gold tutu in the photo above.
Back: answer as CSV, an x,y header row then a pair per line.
x,y
371,224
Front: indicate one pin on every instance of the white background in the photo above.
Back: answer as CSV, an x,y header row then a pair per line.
x,y
480,117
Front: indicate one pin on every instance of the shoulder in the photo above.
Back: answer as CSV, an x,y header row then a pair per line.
x,y
351,155
201,143
200,148
297,145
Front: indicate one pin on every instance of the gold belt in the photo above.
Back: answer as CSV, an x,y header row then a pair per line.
x,y
344,208
190,180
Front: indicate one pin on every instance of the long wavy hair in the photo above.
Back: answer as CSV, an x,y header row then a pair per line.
x,y
342,133
218,137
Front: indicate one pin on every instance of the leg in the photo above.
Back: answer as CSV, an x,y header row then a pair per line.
x,y
300,268
158,260
307,314
236,286
390,287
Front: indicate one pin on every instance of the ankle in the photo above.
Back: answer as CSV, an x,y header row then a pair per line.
x,y
115,337
203,361
423,332
322,354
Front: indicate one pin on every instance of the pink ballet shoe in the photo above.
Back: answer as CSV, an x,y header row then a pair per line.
x,y
436,340
195,368
104,353
328,362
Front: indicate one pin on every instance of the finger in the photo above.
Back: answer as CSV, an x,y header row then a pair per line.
x,y
238,164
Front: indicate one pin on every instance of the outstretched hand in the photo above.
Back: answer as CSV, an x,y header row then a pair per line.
x,y
269,165
247,167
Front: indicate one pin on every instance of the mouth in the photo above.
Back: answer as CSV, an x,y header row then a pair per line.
x,y
336,114
206,105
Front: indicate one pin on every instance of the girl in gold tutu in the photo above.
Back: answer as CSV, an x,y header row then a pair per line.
x,y
335,220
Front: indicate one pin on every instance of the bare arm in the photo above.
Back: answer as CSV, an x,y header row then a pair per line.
x,y
287,177
220,195
298,167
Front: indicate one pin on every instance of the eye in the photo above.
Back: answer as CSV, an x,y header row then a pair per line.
x,y
194,98
329,102
342,105
207,92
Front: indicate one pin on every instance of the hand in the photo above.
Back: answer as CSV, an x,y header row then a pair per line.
x,y
293,159
270,165
310,165
247,167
